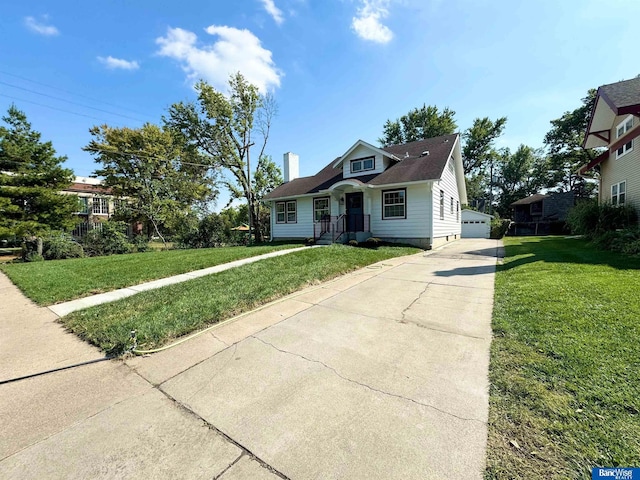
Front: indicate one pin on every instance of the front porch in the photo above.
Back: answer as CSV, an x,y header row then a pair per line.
x,y
348,216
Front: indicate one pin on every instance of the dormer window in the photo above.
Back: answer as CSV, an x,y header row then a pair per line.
x,y
362,164
621,130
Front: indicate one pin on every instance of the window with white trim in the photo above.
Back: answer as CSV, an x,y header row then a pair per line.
x,y
286,212
621,130
394,204
362,164
321,208
451,206
441,204
457,211
618,193
100,206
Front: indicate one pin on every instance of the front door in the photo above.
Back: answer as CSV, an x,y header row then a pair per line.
x,y
355,213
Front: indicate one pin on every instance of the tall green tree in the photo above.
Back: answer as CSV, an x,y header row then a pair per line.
x,y
520,174
479,158
224,129
566,154
158,176
31,177
418,124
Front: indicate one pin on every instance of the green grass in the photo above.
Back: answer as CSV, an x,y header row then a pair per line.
x,y
159,316
565,361
57,281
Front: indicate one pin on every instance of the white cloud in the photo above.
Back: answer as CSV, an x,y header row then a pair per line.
x,y
118,63
234,50
275,12
41,27
367,23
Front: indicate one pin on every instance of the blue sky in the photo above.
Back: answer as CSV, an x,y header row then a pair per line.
x,y
338,68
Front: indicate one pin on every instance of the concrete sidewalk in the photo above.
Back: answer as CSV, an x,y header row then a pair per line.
x,y
379,374
65,308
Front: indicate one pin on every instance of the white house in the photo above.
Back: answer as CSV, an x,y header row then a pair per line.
x,y
476,224
408,193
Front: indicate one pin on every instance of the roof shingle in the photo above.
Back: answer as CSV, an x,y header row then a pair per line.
x,y
416,165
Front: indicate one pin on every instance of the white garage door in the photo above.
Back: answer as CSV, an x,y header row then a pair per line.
x,y
475,229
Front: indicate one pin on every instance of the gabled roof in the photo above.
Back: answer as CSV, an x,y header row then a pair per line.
x,y
536,197
415,165
620,98
88,188
622,95
363,144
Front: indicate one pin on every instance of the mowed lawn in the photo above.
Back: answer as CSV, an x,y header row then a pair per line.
x,y
57,281
161,315
565,361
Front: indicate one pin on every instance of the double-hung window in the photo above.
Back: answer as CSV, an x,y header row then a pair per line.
x,y
362,164
320,209
286,212
394,204
457,211
621,130
100,206
441,204
618,193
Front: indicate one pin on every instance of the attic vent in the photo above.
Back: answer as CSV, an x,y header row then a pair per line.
x,y
446,140
425,153
406,155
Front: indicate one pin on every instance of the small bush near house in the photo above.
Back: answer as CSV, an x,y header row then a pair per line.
x,y
108,240
372,242
309,241
592,220
499,227
60,246
353,243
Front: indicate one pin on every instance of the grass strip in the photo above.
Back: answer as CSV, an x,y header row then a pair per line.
x,y
57,281
565,361
158,316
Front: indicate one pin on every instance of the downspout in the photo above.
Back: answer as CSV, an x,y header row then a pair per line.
x,y
271,215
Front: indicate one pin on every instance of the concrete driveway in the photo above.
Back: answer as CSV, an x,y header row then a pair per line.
x,y
378,374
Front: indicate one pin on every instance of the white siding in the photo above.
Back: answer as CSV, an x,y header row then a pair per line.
x,y
418,221
303,228
363,152
451,225
623,169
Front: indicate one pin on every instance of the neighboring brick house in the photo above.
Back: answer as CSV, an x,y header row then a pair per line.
x,y
96,201
540,214
614,123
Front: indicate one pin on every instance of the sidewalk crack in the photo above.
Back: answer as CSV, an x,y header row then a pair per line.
x,y
364,385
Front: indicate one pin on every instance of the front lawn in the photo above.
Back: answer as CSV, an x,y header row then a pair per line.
x,y
57,281
161,315
565,361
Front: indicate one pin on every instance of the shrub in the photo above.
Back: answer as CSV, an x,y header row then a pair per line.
x,y
60,246
499,227
33,256
590,219
141,243
108,240
372,242
353,243
309,241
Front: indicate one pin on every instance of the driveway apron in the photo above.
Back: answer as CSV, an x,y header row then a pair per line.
x,y
382,374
